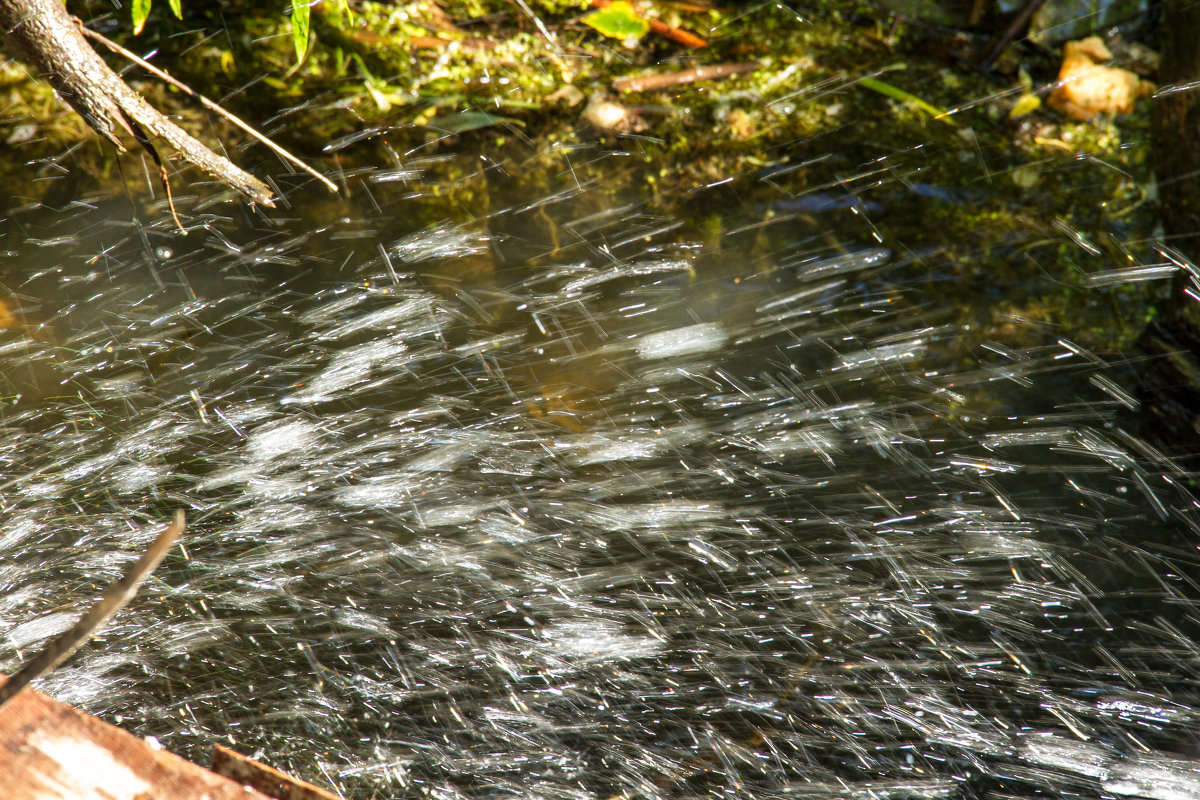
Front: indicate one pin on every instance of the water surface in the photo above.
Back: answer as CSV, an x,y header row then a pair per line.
x,y
755,497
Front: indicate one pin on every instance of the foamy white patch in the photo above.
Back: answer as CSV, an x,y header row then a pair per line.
x,y
244,414
1149,776
987,547
363,622
507,530
333,309
121,385
655,515
84,469
816,441
443,459
185,637
846,262
1131,709
602,449
45,626
18,530
272,441
350,368
383,318
1160,779
277,516
439,243
593,641
94,676
434,554
510,717
45,490
272,489
337,376
230,476
380,493
137,477
884,354
700,338
1080,758
453,514
632,446
624,271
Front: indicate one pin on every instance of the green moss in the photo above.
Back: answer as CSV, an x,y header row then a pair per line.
x,y
983,204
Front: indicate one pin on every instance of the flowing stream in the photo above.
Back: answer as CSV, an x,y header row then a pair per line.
x,y
577,499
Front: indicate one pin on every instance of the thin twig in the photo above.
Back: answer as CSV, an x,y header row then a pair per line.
x,y
144,141
209,104
1019,23
47,38
116,597
666,80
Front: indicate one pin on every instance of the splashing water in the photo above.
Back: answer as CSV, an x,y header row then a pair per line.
x,y
636,517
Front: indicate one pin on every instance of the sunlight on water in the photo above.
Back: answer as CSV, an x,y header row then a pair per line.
x,y
633,516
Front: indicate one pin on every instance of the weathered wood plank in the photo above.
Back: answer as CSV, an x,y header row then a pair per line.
x,y
50,751
279,785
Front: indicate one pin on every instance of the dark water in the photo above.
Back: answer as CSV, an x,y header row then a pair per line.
x,y
580,499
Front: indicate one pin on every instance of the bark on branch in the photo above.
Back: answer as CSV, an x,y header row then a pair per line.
x,y
48,39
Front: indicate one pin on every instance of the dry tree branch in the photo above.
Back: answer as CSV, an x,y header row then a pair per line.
x,y
116,597
43,35
209,104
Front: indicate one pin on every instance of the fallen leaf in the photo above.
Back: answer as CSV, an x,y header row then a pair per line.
x,y
1087,87
618,20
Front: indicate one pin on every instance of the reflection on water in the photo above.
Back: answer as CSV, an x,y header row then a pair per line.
x,y
479,511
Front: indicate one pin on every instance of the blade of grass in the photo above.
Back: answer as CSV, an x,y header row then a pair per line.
x,y
896,93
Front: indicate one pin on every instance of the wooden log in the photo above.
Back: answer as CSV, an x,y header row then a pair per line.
x,y
51,751
278,785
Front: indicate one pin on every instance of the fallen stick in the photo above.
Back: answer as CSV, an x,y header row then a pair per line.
x,y
665,80
48,39
116,597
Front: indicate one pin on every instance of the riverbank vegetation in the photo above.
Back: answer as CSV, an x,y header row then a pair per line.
x,y
828,107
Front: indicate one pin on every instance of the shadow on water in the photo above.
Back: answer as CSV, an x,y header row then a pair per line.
x,y
575,498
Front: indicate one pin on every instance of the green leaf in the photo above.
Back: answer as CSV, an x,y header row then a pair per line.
x,y
341,10
368,78
141,10
300,14
176,8
1026,103
618,20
